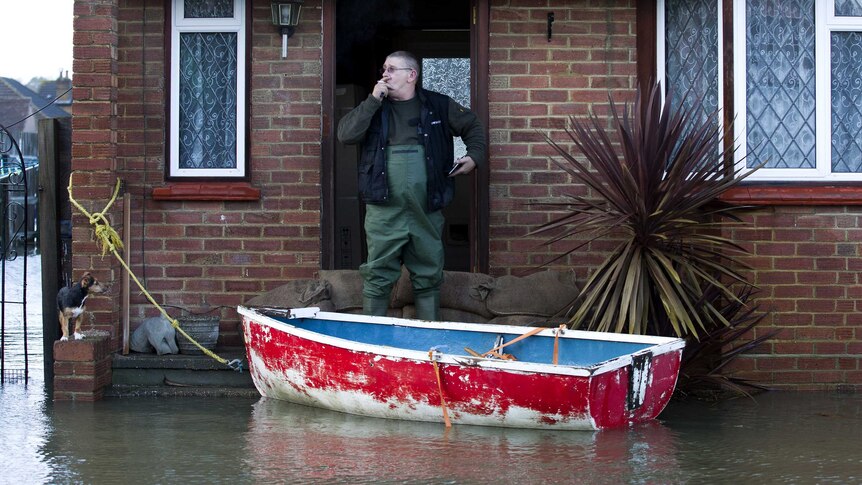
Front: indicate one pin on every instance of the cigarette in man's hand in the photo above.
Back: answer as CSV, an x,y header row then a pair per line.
x,y
455,166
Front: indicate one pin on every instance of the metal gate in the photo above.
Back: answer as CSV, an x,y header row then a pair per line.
x,y
18,237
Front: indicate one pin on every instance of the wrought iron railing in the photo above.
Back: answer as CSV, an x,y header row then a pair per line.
x,y
18,230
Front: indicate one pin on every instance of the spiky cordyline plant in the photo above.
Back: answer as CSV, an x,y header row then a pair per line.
x,y
704,360
655,189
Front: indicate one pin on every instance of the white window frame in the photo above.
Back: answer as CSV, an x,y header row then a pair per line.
x,y
180,25
825,24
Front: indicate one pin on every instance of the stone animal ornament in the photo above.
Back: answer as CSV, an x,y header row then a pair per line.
x,y
70,304
155,333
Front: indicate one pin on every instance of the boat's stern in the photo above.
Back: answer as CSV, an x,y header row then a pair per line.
x,y
638,391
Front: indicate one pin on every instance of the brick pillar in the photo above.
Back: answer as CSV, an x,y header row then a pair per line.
x,y
82,368
94,150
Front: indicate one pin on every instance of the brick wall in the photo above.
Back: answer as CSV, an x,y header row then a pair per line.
x,y
535,86
202,255
806,262
199,255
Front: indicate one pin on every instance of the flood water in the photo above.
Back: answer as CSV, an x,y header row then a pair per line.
x,y
776,438
779,437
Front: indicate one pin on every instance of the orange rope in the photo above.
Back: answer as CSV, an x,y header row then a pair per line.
x,y
500,355
557,342
440,388
516,339
472,352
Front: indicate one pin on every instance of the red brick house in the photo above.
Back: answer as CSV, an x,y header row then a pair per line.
x,y
225,209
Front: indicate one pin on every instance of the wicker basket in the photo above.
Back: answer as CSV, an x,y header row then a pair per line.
x,y
202,328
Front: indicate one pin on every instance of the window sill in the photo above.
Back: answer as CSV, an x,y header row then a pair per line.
x,y
207,191
794,195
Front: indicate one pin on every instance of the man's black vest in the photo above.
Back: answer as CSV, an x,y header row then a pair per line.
x,y
434,135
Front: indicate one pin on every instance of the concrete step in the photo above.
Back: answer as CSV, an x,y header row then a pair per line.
x,y
180,375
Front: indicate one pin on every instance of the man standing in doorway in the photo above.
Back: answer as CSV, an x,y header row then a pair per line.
x,y
405,176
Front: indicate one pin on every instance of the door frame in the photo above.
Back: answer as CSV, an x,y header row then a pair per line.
x,y
480,208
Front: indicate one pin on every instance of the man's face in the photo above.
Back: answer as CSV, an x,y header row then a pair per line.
x,y
399,78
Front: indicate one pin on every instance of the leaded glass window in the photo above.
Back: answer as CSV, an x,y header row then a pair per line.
x,y
208,100
207,137
797,79
780,84
691,53
848,8
208,9
449,76
846,102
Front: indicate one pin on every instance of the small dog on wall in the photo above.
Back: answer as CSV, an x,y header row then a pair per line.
x,y
70,303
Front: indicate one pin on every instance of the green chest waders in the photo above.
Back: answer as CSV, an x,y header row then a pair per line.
x,y
400,231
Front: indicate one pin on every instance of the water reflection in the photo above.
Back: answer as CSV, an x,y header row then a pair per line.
x,y
805,437
147,440
24,424
287,439
780,437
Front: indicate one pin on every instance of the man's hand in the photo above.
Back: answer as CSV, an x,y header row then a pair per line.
x,y
465,165
381,90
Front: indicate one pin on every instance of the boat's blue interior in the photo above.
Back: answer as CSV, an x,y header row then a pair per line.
x,y
536,348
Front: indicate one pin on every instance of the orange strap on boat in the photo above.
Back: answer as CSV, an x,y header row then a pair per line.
x,y
472,352
516,339
440,388
500,355
557,334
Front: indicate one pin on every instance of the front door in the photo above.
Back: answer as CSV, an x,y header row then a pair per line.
x,y
358,35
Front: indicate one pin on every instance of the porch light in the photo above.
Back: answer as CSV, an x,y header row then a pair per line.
x,y
286,16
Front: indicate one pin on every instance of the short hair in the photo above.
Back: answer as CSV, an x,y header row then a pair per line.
x,y
411,60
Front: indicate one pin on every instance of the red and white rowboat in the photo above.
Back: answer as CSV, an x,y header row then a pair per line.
x,y
442,371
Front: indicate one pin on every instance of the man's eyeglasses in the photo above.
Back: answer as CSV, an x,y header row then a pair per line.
x,y
391,69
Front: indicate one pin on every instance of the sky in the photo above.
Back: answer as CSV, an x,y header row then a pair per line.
x,y
35,38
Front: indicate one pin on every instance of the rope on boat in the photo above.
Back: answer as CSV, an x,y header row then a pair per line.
x,y
557,334
433,357
108,239
495,351
504,356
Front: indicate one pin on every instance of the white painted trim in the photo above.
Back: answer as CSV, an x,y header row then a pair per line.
x,y
661,48
823,95
739,65
721,65
852,23
235,25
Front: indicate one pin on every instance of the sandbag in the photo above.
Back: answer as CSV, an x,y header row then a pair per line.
x,y
294,294
526,321
542,294
455,315
345,288
464,291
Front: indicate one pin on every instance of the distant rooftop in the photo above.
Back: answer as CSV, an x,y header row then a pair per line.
x,y
59,89
18,101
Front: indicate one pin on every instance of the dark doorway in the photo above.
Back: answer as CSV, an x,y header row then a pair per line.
x,y
439,33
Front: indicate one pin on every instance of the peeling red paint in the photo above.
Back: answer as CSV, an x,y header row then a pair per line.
x,y
608,401
287,366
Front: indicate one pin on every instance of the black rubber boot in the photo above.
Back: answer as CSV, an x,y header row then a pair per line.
x,y
375,306
427,305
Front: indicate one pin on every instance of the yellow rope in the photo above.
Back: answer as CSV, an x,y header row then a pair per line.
x,y
108,239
